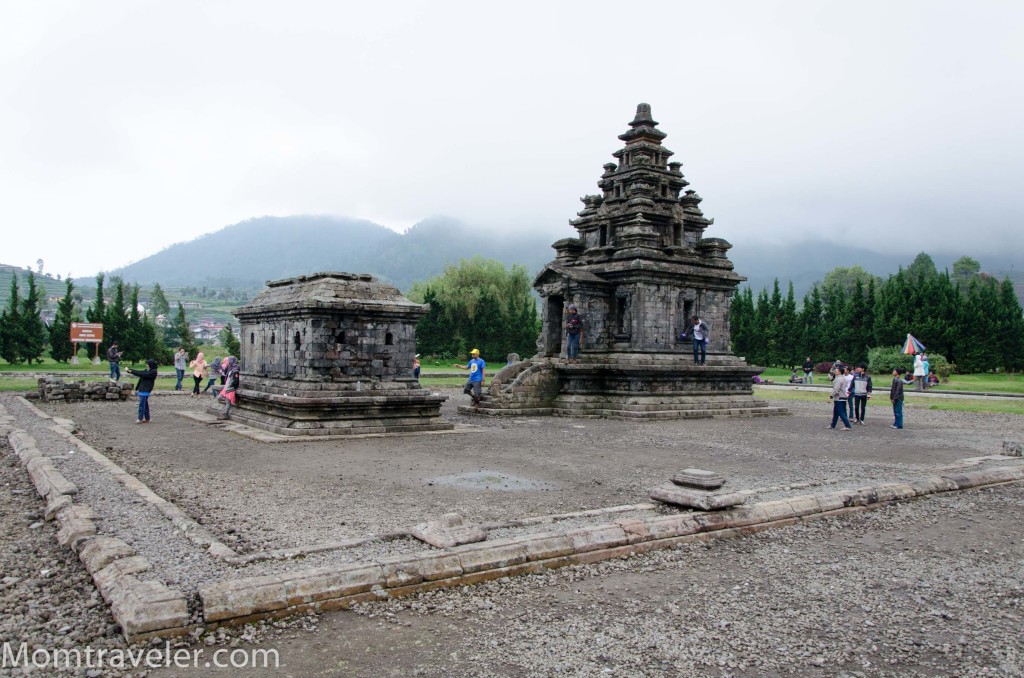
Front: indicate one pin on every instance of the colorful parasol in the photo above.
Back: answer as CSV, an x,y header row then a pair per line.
x,y
912,345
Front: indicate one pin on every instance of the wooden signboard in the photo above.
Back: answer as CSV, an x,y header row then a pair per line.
x,y
86,333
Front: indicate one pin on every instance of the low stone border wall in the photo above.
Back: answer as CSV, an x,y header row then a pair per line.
x,y
56,389
328,588
142,607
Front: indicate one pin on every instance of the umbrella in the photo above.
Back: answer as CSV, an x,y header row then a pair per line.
x,y
912,345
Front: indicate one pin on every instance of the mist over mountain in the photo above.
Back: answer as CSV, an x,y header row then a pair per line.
x,y
249,253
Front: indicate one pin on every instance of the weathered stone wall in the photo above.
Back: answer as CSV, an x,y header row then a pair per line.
x,y
56,389
328,348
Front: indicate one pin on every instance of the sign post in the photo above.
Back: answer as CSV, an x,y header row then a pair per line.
x,y
87,333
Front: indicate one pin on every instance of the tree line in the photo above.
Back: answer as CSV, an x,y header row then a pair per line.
x,y
970,318
25,338
477,304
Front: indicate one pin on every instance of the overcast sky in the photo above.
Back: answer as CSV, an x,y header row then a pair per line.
x,y
127,126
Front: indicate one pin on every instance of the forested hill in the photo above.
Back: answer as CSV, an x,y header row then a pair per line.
x,y
266,248
249,253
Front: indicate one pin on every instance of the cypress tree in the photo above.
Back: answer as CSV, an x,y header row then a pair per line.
x,y
61,348
812,342
33,337
10,326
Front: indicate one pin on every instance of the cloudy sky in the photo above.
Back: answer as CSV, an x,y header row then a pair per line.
x,y
127,126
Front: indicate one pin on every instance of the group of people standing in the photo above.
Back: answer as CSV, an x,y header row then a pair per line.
x,y
851,389
226,370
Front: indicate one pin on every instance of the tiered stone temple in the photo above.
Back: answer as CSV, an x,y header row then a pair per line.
x,y
639,270
332,354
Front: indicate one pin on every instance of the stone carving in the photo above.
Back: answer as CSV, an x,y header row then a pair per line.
x,y
637,271
332,354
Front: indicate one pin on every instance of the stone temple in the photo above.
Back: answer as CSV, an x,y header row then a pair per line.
x,y
332,354
639,269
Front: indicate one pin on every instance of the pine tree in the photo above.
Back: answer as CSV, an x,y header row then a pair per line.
x,y
158,301
10,326
33,338
61,348
115,322
182,332
1010,327
231,343
790,334
812,341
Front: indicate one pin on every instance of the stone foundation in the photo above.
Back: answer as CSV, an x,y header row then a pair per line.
x,y
634,386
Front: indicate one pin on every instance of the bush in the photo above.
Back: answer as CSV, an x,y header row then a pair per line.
x,y
823,368
884,359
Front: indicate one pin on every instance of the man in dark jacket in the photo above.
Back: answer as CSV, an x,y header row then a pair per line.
x,y
896,397
147,378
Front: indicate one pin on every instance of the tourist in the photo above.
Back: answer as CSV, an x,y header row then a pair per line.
x,y
699,333
147,378
808,371
794,378
230,372
848,376
839,397
573,334
927,368
933,380
919,373
198,367
114,358
416,367
896,397
180,363
476,366
213,372
862,387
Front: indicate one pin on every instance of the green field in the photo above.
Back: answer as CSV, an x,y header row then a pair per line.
x,y
911,402
981,383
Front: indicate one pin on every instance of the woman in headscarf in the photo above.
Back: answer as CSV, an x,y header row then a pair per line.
x,y
198,367
229,367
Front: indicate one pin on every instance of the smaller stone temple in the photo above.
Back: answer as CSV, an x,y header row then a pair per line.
x,y
332,354
638,270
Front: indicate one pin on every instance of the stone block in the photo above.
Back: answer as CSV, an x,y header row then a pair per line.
x,y
894,491
804,505
776,510
744,516
144,607
73,532
547,545
100,551
55,504
931,485
831,501
597,537
666,527
401,570
240,597
325,583
636,530
696,499
449,531
491,555
108,579
699,479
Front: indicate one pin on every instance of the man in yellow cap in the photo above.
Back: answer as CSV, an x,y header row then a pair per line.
x,y
476,367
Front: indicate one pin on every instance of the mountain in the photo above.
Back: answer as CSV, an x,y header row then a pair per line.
x,y
249,253
53,287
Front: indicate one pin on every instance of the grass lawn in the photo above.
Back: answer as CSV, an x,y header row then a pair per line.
x,y
950,404
982,383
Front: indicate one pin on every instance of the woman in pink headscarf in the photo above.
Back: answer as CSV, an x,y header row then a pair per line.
x,y
198,367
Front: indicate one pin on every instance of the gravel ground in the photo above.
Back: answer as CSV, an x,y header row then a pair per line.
x,y
346,489
930,587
